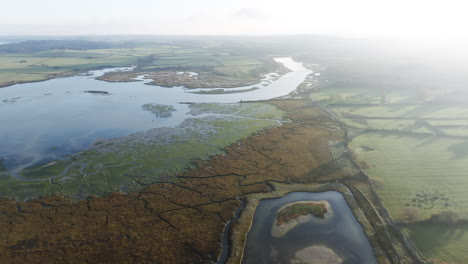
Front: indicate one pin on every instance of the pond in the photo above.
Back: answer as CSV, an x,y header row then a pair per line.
x,y
48,120
338,238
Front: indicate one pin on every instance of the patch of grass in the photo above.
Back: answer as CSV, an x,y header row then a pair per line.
x,y
44,171
376,110
412,166
42,65
340,95
235,61
386,124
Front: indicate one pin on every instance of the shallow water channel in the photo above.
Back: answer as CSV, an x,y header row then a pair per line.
x,y
48,120
338,239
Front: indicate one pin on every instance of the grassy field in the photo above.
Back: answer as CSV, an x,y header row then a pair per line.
x,y
441,243
409,167
417,155
41,65
340,93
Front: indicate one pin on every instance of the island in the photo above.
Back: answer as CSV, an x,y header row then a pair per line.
x,y
97,92
176,78
159,110
293,214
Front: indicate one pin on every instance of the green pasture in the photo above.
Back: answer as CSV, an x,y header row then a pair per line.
x,y
441,243
418,162
341,93
385,124
426,175
46,64
408,166
422,111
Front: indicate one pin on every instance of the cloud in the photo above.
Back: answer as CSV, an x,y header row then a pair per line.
x,y
249,13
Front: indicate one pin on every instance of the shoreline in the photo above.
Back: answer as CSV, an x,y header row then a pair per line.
x,y
64,74
173,79
375,228
48,78
242,227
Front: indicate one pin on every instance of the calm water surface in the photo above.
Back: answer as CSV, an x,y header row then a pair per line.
x,y
47,120
341,233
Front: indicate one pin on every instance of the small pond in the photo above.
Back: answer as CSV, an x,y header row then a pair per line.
x,y
337,239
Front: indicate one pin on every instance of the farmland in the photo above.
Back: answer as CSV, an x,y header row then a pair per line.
x,y
17,67
416,154
440,243
433,170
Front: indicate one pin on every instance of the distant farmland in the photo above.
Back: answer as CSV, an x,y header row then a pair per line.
x,y
416,153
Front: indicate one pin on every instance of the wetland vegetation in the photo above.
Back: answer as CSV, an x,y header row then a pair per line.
x,y
296,210
157,155
159,110
393,145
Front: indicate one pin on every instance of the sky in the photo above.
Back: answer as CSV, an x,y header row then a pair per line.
x,y
401,18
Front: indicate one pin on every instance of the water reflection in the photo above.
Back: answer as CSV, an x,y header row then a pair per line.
x,y
47,120
340,239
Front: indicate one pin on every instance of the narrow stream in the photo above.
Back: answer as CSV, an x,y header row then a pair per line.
x,y
226,250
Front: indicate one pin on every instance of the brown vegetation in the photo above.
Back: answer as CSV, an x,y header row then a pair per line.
x,y
296,210
182,221
174,78
177,222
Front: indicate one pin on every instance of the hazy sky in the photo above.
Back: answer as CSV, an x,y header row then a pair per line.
x,y
425,18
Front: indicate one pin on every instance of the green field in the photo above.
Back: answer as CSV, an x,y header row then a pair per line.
x,y
410,166
441,243
416,153
41,65
342,93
